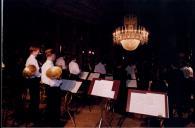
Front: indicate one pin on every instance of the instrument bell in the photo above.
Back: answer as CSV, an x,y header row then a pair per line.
x,y
54,72
29,71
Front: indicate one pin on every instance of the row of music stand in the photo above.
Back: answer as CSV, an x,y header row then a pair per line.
x,y
141,102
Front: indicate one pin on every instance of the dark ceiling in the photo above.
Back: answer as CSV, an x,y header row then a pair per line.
x,y
170,22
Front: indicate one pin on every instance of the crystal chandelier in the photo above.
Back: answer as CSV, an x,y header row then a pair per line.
x,y
130,35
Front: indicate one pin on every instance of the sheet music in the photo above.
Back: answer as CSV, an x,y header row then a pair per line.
x,y
70,85
156,104
136,103
93,75
67,84
131,83
84,75
103,88
148,103
76,87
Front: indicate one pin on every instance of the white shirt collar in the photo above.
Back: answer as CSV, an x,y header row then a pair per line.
x,y
32,56
49,61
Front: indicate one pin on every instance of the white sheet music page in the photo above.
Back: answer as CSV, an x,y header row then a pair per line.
x,y
156,104
93,75
137,103
103,88
148,103
84,75
76,87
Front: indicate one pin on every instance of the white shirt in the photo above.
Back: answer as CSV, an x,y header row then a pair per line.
x,y
74,68
33,61
131,71
100,68
187,71
61,62
46,80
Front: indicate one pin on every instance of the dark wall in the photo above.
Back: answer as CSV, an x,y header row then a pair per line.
x,y
170,23
26,24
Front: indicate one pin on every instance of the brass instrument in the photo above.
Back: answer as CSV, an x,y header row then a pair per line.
x,y
29,71
54,72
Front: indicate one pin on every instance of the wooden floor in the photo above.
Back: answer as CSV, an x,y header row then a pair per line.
x,y
89,116
85,116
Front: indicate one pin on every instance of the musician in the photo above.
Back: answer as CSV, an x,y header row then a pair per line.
x,y
187,71
33,83
131,71
53,90
60,61
100,68
188,83
74,69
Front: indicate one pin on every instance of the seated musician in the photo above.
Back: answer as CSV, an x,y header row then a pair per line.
x,y
100,68
53,90
60,61
74,69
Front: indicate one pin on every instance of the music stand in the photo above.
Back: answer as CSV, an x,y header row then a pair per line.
x,y
93,75
86,78
102,91
71,87
148,103
84,75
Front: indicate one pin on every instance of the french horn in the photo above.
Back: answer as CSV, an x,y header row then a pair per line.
x,y
54,72
29,71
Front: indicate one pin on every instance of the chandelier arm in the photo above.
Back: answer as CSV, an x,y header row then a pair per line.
x,y
130,35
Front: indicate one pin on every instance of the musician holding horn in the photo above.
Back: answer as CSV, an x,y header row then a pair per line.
x,y
50,77
32,75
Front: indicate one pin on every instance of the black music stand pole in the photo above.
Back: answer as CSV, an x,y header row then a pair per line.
x,y
107,107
